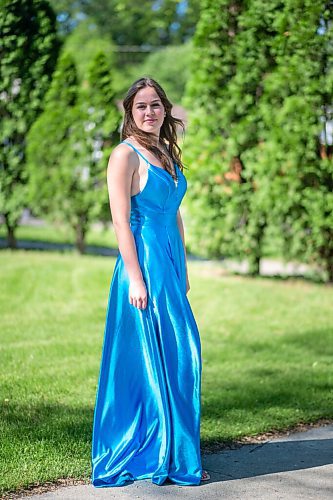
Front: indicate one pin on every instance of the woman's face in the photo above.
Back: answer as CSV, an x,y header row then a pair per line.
x,y
148,111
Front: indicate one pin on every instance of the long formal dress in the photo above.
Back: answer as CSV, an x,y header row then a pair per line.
x,y
147,412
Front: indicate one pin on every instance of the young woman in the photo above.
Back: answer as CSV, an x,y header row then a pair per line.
x,y
147,413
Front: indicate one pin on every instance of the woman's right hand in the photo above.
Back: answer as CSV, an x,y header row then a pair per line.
x,y
138,293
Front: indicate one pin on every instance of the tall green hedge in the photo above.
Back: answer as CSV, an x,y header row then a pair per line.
x,y
28,54
261,82
68,146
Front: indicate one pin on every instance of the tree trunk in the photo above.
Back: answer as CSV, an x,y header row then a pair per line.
x,y
326,254
254,264
256,254
329,267
11,240
80,230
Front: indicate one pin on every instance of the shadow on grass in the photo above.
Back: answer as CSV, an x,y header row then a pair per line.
x,y
54,422
270,396
267,383
60,424
63,426
39,245
314,277
42,443
312,342
47,246
274,392
59,247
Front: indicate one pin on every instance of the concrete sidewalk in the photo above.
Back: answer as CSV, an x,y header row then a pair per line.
x,y
297,466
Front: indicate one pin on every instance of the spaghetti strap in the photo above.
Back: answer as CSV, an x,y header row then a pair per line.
x,y
137,151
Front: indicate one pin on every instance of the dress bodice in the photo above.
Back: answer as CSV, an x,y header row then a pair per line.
x,y
161,196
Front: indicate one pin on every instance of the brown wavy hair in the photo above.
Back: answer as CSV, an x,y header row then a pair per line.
x,y
168,132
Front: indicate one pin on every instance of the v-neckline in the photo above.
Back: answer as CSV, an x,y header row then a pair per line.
x,y
175,181
161,168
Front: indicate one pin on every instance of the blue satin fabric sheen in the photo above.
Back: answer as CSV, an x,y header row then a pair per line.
x,y
147,412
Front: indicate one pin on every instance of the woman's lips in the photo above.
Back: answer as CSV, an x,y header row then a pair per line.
x,y
150,121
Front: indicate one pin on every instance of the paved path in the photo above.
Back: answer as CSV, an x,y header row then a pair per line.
x,y
297,466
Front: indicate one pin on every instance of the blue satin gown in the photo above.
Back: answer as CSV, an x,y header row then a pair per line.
x,y
147,412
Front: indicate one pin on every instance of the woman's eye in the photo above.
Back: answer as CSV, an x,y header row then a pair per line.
x,y
155,105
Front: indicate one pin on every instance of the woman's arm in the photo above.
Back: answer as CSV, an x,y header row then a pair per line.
x,y
120,171
182,234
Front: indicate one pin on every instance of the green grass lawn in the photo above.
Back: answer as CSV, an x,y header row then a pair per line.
x,y
267,349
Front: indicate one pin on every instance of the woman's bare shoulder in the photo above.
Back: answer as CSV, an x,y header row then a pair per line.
x,y
123,155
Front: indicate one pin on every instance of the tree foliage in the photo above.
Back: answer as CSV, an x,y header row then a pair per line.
x,y
84,42
300,156
28,54
170,66
69,144
260,90
132,23
229,61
